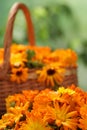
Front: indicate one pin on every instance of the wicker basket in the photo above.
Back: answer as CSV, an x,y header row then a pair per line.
x,y
6,86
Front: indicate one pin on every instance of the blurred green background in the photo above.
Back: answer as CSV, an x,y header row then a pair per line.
x,y
57,23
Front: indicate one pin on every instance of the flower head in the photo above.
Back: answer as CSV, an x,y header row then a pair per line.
x,y
7,120
35,123
63,90
83,119
18,59
51,74
62,116
19,74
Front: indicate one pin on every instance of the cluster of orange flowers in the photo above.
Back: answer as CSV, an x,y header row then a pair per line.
x,y
64,109
51,64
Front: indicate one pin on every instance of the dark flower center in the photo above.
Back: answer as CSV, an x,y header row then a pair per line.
x,y
18,73
51,71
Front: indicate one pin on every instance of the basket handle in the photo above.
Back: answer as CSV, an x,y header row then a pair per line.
x,y
9,31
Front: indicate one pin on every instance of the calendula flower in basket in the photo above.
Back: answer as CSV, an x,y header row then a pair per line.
x,y
50,67
64,109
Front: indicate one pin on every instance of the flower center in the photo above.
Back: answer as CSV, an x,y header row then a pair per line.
x,y
51,71
18,73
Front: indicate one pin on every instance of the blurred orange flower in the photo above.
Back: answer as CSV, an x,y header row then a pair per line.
x,y
19,74
51,74
46,110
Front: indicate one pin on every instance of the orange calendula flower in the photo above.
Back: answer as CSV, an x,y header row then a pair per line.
x,y
33,123
19,74
63,90
83,122
51,74
62,116
64,109
30,94
83,119
7,120
61,98
18,48
17,113
83,110
15,100
39,52
42,100
67,58
18,59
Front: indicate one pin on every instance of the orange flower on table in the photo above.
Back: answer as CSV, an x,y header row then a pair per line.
x,y
60,97
51,74
35,122
61,116
83,122
7,120
27,96
50,110
83,110
15,100
83,119
30,94
19,74
13,117
79,98
42,100
19,110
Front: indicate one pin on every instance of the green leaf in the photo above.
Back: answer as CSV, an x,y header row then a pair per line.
x,y
5,128
12,104
35,64
30,54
